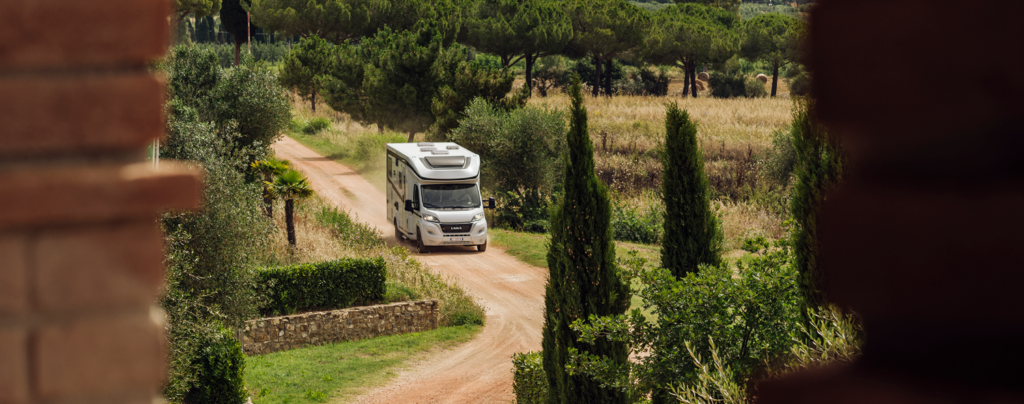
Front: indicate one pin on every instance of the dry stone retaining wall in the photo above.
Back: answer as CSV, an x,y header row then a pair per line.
x,y
275,334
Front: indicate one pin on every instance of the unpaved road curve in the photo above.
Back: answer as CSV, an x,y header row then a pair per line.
x,y
479,371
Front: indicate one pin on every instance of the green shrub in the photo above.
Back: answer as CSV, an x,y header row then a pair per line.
x,y
637,224
219,364
755,88
354,233
529,382
645,82
800,84
322,285
371,148
316,125
779,162
727,85
225,52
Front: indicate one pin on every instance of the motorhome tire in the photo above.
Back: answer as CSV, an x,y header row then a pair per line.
x,y
482,247
398,233
419,243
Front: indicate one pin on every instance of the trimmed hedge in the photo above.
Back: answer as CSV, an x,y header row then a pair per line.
x,y
325,285
529,382
220,367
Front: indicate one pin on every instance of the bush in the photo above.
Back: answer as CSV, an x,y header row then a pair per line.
x,y
220,364
316,125
371,148
779,162
353,233
725,85
645,82
322,285
637,224
271,53
529,382
250,96
754,88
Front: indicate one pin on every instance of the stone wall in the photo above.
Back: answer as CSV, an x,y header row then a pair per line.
x,y
308,329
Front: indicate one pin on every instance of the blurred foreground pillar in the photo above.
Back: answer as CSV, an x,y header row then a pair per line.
x,y
81,259
922,240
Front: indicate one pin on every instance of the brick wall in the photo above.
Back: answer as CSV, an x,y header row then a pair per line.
x,y
289,332
81,257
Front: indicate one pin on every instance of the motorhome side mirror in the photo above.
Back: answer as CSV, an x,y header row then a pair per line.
x,y
408,206
490,203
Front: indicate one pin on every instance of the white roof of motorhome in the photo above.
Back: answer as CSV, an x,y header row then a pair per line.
x,y
438,160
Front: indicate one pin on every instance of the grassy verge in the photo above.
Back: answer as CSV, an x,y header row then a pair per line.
x,y
336,372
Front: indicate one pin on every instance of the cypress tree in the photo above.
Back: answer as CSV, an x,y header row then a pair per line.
x,y
693,234
819,168
584,279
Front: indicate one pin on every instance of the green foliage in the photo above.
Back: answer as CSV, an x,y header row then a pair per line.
x,y
410,81
290,186
198,8
193,73
261,52
522,149
371,147
322,285
584,278
529,382
316,125
746,322
727,85
754,88
305,65
645,82
333,20
220,366
819,169
584,68
750,10
642,225
250,96
733,6
603,30
772,38
693,234
354,233
781,160
236,22
692,34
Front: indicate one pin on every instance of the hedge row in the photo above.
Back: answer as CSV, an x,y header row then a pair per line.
x,y
321,286
529,382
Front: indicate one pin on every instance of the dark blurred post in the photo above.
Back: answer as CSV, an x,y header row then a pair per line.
x,y
81,259
923,239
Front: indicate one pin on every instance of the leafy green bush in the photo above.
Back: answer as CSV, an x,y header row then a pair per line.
x,y
267,52
638,224
355,234
322,285
726,85
755,88
250,96
780,161
529,382
220,364
316,125
645,82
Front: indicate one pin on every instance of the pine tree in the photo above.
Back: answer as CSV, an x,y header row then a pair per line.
x,y
584,279
820,165
693,235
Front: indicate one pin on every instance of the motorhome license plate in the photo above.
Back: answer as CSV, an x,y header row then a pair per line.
x,y
455,239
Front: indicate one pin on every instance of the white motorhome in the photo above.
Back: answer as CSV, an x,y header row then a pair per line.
x,y
434,195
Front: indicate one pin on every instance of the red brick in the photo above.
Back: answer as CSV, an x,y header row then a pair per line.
x,y
13,285
75,33
54,114
13,366
98,357
98,267
64,195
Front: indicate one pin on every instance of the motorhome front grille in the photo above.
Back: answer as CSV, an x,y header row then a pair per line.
x,y
456,228
456,235
456,243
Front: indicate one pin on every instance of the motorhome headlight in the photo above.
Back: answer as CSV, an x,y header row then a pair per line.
x,y
478,217
431,218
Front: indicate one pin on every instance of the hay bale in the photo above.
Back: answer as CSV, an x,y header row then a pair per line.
x,y
703,76
763,78
701,86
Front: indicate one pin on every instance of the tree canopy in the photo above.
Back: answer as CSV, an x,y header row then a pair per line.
x,y
198,8
729,5
302,69
333,20
517,30
604,29
691,34
772,38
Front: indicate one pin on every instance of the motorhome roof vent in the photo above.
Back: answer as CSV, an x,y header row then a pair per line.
x,y
439,152
446,161
428,149
425,144
453,147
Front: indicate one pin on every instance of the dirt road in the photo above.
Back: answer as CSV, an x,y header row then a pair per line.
x,y
513,293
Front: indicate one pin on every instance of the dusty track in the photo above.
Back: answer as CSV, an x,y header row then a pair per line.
x,y
513,293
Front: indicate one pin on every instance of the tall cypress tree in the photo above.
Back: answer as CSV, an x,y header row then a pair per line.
x,y
693,234
584,279
819,168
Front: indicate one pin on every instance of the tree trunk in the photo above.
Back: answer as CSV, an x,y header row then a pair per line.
x,y
693,79
529,72
268,205
775,79
411,135
686,82
289,209
608,77
238,52
597,76
312,100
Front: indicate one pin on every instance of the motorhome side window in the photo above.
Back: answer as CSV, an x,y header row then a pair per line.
x,y
416,196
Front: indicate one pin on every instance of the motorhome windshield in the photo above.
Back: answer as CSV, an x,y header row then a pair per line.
x,y
451,196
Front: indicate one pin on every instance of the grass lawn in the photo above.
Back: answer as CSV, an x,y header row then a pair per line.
x,y
335,373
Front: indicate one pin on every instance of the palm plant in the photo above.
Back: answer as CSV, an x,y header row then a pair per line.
x,y
269,168
290,185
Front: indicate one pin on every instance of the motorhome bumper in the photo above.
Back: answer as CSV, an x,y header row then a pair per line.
x,y
434,236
